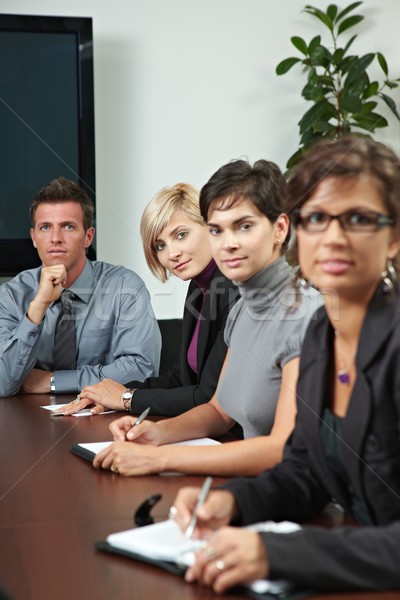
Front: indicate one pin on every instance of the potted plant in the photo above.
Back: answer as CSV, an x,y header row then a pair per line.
x,y
343,97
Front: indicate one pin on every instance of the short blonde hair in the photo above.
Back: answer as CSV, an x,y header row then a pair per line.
x,y
158,214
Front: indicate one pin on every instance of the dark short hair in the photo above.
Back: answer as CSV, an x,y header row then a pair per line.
x,y
63,190
346,158
263,184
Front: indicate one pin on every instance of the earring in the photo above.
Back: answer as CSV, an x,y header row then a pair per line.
x,y
389,277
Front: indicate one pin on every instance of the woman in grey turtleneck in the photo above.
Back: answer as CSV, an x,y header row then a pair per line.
x,y
242,205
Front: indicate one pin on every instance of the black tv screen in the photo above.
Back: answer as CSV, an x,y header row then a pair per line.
x,y
46,120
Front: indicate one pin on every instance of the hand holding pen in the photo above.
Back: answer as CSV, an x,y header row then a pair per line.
x,y
136,430
217,509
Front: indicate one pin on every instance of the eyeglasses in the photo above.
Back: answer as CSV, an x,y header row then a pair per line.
x,y
315,221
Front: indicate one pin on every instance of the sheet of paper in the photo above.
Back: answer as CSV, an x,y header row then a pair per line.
x,y
85,412
161,541
165,541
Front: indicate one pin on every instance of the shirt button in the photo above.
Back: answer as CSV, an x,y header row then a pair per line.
x,y
21,362
373,443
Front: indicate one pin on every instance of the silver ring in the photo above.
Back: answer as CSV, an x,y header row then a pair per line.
x,y
220,565
173,511
77,400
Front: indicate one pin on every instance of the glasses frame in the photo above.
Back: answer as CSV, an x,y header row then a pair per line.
x,y
381,221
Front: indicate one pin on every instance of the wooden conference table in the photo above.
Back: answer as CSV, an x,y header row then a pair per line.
x,y
54,506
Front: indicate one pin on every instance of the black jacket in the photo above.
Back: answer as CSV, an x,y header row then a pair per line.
x,y
345,558
180,389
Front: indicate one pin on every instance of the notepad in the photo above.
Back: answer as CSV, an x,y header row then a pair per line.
x,y
88,450
164,543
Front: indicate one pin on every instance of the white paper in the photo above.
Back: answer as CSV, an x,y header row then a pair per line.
x,y
165,541
85,412
161,541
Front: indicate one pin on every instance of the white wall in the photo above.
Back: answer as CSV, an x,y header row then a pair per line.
x,y
183,86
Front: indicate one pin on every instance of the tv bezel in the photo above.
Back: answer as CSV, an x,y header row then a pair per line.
x,y
19,254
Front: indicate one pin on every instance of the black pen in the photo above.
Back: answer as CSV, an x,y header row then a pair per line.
x,y
201,498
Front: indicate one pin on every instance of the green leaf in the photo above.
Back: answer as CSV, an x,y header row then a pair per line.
x,y
315,12
371,90
346,11
371,121
359,68
350,22
313,90
382,62
315,42
325,127
321,57
300,44
332,11
338,56
349,43
367,107
320,111
350,104
391,104
347,63
286,64
294,159
327,81
391,84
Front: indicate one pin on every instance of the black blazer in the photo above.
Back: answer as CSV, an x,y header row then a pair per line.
x,y
180,389
299,488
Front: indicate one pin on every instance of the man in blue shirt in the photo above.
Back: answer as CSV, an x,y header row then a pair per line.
x,y
117,335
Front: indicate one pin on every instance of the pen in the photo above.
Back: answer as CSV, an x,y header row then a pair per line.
x,y
205,488
142,417
139,420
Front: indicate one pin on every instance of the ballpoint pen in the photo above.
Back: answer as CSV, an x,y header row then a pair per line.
x,y
142,417
205,488
139,420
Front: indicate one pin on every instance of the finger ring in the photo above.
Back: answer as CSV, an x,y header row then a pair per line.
x,y
209,552
220,565
173,511
77,400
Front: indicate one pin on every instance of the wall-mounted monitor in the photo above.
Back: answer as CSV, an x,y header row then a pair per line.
x,y
46,120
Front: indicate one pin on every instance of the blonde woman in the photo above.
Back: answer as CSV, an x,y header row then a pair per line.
x,y
175,241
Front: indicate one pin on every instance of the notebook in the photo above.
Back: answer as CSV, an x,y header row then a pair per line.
x,y
164,545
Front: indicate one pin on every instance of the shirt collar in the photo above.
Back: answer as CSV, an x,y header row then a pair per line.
x,y
83,285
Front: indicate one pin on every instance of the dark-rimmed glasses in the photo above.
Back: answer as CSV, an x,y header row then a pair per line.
x,y
316,221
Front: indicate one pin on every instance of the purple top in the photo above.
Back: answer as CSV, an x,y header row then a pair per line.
x,y
203,282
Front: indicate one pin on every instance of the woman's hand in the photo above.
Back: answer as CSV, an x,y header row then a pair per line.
x,y
147,432
219,509
232,557
103,395
127,459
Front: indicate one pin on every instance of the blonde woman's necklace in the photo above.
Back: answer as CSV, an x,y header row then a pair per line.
x,y
343,374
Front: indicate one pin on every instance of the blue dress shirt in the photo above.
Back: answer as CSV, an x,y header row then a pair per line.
x,y
116,330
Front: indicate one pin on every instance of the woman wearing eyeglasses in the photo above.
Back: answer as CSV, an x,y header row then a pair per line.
x,y
345,197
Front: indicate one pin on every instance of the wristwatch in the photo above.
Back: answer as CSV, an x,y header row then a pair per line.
x,y
126,399
52,384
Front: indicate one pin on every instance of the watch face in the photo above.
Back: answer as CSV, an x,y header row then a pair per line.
x,y
127,395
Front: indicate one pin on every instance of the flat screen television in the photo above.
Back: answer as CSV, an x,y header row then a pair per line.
x,y
46,120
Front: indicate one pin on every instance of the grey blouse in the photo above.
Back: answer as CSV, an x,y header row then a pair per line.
x,y
264,331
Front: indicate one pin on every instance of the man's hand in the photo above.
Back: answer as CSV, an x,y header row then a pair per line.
x,y
50,288
37,382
